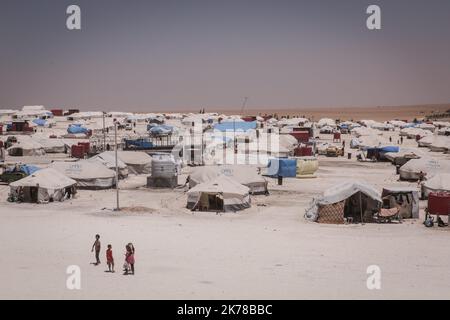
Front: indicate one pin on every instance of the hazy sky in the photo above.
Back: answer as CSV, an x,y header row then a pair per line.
x,y
153,55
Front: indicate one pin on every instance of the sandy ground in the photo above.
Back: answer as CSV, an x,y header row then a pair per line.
x,y
266,252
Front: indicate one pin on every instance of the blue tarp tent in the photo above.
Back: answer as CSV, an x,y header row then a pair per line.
x,y
40,122
390,149
27,169
379,152
138,144
160,129
281,167
235,125
76,128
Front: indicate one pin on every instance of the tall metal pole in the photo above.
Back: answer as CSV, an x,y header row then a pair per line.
x,y
117,168
234,135
243,105
104,132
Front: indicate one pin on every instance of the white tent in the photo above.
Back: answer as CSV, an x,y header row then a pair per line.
x,y
372,142
412,133
292,122
275,145
326,122
426,141
444,131
108,159
33,108
220,194
138,162
440,144
244,174
287,141
397,123
363,131
426,126
383,126
438,183
326,129
442,124
403,156
51,145
26,147
428,166
368,123
339,202
7,112
44,185
87,173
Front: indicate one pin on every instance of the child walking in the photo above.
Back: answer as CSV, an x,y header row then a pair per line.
x,y
97,247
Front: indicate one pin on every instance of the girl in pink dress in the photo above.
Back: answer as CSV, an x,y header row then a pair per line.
x,y
129,259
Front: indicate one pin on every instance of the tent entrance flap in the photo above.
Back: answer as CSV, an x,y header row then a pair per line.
x,y
30,194
360,208
210,202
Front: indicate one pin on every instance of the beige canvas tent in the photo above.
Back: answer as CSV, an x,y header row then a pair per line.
x,y
51,145
43,186
244,174
438,183
26,147
138,162
88,174
220,194
352,200
428,166
108,159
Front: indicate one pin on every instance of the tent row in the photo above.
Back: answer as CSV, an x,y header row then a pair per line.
x,y
62,178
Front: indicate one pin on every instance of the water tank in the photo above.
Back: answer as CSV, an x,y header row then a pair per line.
x,y
164,172
306,167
